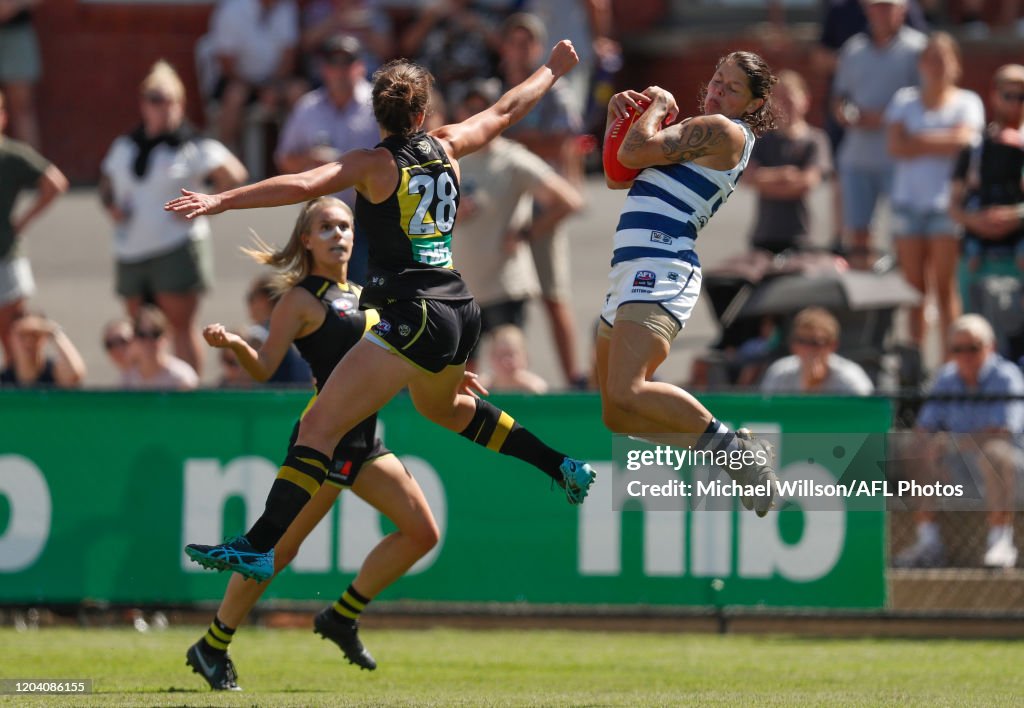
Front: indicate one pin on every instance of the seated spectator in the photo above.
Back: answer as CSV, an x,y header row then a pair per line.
x,y
160,257
985,432
117,343
21,168
987,197
362,19
785,167
31,365
261,300
152,366
256,43
814,366
927,128
508,363
331,120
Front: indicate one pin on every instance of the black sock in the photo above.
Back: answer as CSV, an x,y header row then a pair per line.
x,y
301,475
496,430
217,638
350,605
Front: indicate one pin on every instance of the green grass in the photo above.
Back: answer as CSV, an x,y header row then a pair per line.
x,y
449,668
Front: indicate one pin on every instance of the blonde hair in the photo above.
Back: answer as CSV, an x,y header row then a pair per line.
x,y
163,76
974,326
946,41
793,81
818,319
293,261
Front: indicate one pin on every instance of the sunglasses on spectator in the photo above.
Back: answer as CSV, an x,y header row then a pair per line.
x,y
338,59
115,342
809,342
150,334
1010,96
156,98
965,349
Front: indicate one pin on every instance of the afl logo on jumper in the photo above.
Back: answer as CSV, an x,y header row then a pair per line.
x,y
644,279
343,305
381,328
404,330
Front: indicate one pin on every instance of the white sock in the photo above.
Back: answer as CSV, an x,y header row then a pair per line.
x,y
928,533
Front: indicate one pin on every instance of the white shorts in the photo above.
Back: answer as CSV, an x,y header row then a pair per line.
x,y
16,282
672,284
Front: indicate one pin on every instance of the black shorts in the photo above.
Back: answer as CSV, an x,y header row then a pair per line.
x,y
432,334
349,459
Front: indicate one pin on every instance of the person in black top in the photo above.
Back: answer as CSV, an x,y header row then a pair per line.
x,y
987,197
319,312
407,198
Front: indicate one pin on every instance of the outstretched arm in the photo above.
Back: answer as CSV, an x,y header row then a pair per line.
x,y
352,169
475,132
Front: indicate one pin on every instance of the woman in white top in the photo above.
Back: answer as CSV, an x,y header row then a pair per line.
x,y
928,126
160,256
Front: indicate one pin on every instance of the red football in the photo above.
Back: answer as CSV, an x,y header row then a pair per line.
x,y
613,169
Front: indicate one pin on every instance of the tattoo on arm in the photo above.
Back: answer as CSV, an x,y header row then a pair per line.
x,y
693,141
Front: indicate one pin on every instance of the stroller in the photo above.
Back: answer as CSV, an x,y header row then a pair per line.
x,y
747,289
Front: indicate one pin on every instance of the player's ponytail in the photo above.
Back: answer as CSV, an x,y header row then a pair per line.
x,y
401,91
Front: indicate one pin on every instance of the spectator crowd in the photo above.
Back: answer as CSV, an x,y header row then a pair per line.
x,y
899,129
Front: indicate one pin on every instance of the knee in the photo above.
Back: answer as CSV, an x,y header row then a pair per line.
x,y
622,394
442,415
423,535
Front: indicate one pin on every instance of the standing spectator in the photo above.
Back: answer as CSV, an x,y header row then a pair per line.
x,y
161,257
261,299
842,20
457,40
988,193
20,67
31,365
362,19
332,120
493,256
152,367
985,432
550,131
256,44
814,366
785,166
928,127
21,168
872,66
509,367
117,343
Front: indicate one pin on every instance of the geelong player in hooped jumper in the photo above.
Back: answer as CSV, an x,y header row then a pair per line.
x,y
407,195
687,171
